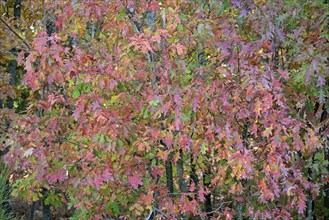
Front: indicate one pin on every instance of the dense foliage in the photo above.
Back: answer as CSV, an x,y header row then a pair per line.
x,y
162,109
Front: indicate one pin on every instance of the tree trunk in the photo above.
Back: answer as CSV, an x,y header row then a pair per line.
x,y
32,208
193,174
239,211
46,212
180,173
326,154
169,175
17,9
206,183
12,70
309,209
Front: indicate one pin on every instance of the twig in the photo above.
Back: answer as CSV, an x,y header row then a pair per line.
x,y
150,215
17,35
217,209
9,53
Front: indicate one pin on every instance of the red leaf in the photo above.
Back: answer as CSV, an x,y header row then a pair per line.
x,y
283,73
41,42
301,206
98,182
192,187
154,6
180,49
135,180
156,172
80,108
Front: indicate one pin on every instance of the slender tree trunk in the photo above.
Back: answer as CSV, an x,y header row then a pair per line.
x,y
193,174
17,9
12,70
32,208
239,211
180,173
169,174
326,187
326,154
309,209
46,212
206,183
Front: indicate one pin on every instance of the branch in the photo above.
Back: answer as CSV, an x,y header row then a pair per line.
x,y
9,53
17,35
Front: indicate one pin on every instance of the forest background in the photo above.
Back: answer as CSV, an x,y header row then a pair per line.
x,y
165,109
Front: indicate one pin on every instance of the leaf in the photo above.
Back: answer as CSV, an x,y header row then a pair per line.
x,y
180,49
28,152
203,148
301,206
135,181
41,42
283,73
187,115
154,102
76,92
249,93
154,6
115,208
267,132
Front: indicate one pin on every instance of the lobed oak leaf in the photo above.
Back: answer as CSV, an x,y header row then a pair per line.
x,y
135,180
148,198
98,182
40,43
80,108
163,154
168,139
89,156
228,214
180,49
107,175
156,172
250,92
154,6
28,152
192,187
283,73
301,206
267,132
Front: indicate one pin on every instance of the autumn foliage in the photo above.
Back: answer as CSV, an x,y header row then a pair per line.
x,y
171,109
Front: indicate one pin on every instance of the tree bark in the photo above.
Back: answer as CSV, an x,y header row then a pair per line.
x,y
180,173
309,209
17,9
46,212
169,175
193,174
12,70
326,154
206,183
32,208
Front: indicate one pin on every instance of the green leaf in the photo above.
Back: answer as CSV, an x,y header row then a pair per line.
x,y
223,162
187,115
53,199
121,14
76,92
318,156
154,102
115,208
203,148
